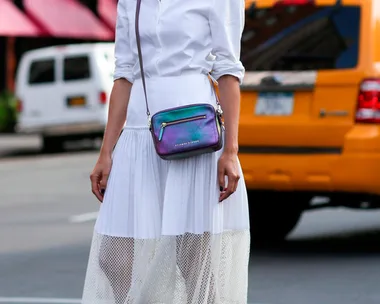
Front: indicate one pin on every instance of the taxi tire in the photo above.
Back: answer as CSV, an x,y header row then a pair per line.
x,y
273,216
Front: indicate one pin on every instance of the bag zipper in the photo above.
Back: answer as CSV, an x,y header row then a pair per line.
x,y
178,121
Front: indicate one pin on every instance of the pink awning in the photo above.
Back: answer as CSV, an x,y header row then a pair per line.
x,y
107,10
67,19
13,22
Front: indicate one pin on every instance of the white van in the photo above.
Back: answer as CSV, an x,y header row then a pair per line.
x,y
63,92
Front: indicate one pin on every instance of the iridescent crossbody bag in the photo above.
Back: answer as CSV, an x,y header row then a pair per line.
x,y
185,131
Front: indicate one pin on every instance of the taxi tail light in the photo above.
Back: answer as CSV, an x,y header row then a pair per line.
x,y
368,105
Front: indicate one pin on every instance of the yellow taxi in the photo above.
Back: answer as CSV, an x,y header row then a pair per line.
x,y
310,109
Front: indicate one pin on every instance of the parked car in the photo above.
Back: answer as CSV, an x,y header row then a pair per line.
x,y
63,92
310,113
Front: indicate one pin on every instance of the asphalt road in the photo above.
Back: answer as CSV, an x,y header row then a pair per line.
x,y
47,214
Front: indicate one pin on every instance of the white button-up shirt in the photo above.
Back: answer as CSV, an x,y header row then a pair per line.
x,y
180,37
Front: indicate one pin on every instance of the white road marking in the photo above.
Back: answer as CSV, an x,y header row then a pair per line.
x,y
84,217
48,301
40,300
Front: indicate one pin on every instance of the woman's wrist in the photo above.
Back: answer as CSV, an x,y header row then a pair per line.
x,y
231,149
231,145
105,153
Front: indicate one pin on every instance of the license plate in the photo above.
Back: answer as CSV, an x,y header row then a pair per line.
x,y
275,104
78,101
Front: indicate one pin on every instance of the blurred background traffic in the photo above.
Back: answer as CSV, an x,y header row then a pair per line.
x,y
309,141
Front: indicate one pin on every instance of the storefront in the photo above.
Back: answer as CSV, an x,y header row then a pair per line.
x,y
30,24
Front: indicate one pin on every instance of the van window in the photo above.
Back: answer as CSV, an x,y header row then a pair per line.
x,y
76,68
42,71
303,37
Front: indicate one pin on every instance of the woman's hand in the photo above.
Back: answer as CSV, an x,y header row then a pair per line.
x,y
117,112
99,176
228,166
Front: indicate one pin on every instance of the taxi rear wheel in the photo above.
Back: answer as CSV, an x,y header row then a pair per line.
x,y
274,215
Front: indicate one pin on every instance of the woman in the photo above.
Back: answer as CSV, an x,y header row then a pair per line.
x,y
171,232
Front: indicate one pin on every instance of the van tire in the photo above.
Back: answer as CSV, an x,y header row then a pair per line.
x,y
52,144
273,215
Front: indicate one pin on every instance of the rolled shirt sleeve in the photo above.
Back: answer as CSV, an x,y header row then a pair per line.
x,y
124,57
227,19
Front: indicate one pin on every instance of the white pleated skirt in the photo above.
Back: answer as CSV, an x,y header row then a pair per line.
x,y
161,236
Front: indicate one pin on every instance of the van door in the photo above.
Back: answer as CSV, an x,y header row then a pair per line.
x,y
38,91
304,65
78,93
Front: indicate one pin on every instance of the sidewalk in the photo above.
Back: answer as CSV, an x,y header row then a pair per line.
x,y
14,143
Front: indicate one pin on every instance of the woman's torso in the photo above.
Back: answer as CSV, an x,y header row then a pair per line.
x,y
176,47
175,36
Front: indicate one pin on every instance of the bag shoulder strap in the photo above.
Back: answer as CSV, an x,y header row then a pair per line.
x,y
138,40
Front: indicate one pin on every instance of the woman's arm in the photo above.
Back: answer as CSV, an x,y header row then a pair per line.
x,y
117,113
228,163
123,79
226,24
119,99
229,90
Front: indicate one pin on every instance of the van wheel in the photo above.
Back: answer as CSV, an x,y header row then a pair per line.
x,y
274,215
52,144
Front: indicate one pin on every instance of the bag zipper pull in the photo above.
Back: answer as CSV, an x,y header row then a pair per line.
x,y
163,125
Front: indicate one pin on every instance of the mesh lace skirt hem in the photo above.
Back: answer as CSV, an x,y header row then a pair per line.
x,y
187,269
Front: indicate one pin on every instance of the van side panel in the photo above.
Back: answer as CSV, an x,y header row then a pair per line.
x,y
76,102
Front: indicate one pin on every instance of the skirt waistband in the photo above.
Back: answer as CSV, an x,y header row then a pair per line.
x,y
187,77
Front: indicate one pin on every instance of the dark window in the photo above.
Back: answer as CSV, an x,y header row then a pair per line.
x,y
304,37
76,68
42,71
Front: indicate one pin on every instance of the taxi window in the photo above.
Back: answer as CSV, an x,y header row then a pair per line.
x,y
306,37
